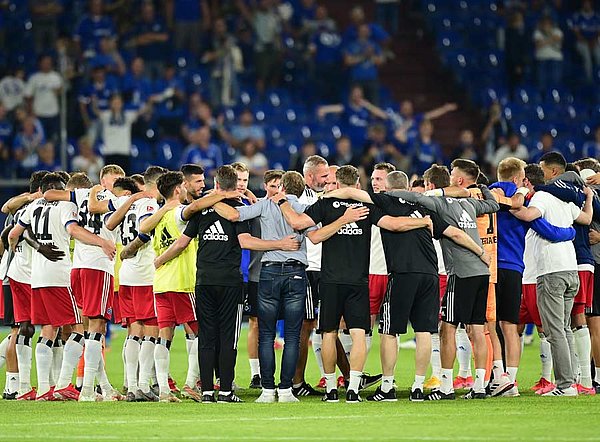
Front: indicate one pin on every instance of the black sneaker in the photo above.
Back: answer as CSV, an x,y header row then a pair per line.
x,y
155,389
596,386
380,396
352,397
305,390
130,397
255,382
208,398
366,381
98,389
10,396
437,395
140,396
473,395
230,398
416,395
332,396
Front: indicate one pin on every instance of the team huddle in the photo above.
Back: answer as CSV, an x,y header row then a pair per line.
x,y
466,265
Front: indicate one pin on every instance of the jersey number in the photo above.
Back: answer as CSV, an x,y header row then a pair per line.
x,y
490,229
128,232
91,222
44,235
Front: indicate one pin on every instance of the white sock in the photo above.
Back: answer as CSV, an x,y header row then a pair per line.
x,y
91,355
479,384
72,352
418,383
146,362
193,373
436,359
124,360
161,361
597,377
498,369
3,347
24,354
546,357
387,383
346,341
132,356
512,373
317,340
102,377
57,359
463,353
583,350
255,366
330,382
43,362
12,382
354,380
369,338
447,377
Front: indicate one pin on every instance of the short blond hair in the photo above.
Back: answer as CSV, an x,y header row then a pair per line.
x,y
509,168
240,167
111,169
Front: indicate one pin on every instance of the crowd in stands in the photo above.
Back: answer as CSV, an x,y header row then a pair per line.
x,y
174,81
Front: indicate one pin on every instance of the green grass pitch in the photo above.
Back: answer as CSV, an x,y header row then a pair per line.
x,y
527,418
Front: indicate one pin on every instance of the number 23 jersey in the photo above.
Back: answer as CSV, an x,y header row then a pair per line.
x,y
49,221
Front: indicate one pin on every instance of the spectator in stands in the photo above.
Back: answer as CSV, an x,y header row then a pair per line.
x,y
136,86
591,149
6,127
363,57
495,133
343,154
190,20
256,161
150,37
109,58
26,143
46,158
43,89
246,128
93,27
225,60
116,125
424,151
407,122
545,145
169,96
325,51
357,18
99,92
517,47
513,148
586,26
378,149
548,40
44,21
12,89
267,46
304,18
297,159
466,148
87,161
201,151
388,13
21,115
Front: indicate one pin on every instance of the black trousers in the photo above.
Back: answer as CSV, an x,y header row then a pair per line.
x,y
219,310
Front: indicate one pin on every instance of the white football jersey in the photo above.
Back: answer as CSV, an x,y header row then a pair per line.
x,y
530,273
86,256
377,265
49,221
20,266
313,251
139,270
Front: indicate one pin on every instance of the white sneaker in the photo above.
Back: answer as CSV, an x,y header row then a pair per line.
x,y
111,395
571,391
266,397
501,385
286,395
513,392
88,396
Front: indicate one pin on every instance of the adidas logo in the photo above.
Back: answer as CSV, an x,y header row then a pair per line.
x,y
215,233
466,222
350,229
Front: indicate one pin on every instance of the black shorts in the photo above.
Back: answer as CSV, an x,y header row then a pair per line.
x,y
410,296
312,295
508,295
251,299
342,300
465,300
595,310
9,313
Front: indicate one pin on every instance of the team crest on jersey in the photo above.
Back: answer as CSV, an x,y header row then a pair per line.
x,y
350,229
207,211
215,233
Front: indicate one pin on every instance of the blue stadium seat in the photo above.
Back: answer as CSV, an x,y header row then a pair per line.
x,y
169,153
141,149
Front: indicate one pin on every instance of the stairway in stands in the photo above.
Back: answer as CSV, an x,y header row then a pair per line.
x,y
416,73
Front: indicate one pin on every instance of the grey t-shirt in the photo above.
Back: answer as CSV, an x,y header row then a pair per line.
x,y
461,213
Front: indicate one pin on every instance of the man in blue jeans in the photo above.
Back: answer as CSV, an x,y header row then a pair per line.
x,y
282,285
